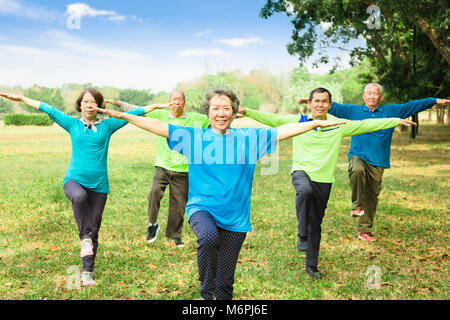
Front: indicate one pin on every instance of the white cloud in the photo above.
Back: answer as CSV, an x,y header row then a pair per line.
x,y
80,10
203,33
28,10
239,42
64,58
203,52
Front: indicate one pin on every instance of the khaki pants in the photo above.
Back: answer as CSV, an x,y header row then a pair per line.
x,y
178,197
365,182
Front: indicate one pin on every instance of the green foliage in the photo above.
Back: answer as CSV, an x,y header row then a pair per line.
x,y
389,48
27,120
135,97
51,96
194,98
5,106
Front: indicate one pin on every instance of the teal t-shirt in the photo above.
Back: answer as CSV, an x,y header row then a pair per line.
x,y
221,169
88,163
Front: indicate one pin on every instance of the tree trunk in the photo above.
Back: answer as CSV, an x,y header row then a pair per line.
x,y
430,114
448,115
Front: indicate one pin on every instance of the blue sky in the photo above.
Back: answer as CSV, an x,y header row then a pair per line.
x,y
142,44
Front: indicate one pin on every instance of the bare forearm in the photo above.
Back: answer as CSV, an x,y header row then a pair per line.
x,y
31,102
153,125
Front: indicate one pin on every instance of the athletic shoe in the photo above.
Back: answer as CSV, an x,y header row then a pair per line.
x,y
87,278
86,247
178,242
314,272
152,233
366,236
302,245
356,213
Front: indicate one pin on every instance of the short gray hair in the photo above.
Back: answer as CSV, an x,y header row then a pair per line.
x,y
221,92
376,85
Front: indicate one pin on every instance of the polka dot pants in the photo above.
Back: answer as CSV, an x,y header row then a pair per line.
x,y
217,254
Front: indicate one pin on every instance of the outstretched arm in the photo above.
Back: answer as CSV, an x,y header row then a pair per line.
x,y
293,129
147,109
154,126
15,97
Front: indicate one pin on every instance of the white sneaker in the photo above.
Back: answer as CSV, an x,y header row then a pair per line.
x,y
86,247
87,278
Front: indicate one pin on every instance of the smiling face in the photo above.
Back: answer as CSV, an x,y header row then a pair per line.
x,y
372,96
87,106
178,106
220,113
319,105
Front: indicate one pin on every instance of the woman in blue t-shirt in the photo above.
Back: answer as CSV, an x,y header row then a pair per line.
x,y
86,182
221,166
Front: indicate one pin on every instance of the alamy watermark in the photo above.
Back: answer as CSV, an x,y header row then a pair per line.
x,y
73,282
373,274
374,20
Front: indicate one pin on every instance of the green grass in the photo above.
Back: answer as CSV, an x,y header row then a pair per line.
x,y
38,235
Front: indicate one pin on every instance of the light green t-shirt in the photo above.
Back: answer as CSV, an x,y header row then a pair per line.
x,y
316,151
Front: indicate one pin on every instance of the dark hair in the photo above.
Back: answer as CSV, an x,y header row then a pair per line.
x,y
97,96
319,90
220,92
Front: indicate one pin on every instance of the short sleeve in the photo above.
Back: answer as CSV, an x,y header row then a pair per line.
x,y
267,141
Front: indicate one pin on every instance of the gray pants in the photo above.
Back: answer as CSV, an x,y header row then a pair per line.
x,y
365,182
87,209
310,202
178,197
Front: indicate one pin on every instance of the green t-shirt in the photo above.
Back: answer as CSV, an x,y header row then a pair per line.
x,y
316,151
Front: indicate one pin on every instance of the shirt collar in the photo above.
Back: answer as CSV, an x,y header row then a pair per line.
x,y
367,109
172,116
90,125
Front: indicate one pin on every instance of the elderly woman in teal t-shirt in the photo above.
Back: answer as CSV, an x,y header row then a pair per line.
x,y
86,182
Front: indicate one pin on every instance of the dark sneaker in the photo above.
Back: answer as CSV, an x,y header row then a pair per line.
x,y
302,244
314,272
152,233
178,242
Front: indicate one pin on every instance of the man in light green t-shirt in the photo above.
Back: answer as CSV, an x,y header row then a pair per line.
x,y
171,168
314,157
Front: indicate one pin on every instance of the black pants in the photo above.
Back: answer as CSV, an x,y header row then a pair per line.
x,y
310,202
178,197
217,255
87,209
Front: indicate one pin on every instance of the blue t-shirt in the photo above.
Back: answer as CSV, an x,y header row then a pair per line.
x,y
88,163
375,147
221,168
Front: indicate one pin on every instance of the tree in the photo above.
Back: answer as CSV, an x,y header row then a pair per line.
x,y
136,97
388,29
5,106
51,96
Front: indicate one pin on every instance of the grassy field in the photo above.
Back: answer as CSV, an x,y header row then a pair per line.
x,y
38,235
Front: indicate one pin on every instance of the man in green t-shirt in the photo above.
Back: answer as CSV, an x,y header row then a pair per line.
x,y
171,168
314,158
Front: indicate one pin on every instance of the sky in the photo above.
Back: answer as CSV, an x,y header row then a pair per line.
x,y
139,44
